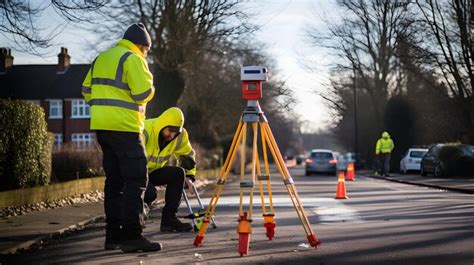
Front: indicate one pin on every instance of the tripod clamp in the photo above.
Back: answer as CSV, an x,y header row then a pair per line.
x,y
253,112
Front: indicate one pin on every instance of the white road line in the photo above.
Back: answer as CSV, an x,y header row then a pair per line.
x,y
327,209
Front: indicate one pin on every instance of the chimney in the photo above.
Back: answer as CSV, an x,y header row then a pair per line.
x,y
6,60
64,60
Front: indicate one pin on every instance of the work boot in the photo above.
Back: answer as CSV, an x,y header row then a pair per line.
x,y
112,239
140,244
111,244
171,224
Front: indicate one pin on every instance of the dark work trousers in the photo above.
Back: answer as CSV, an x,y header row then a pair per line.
x,y
385,164
173,178
126,178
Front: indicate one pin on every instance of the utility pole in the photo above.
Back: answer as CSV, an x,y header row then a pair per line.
x,y
355,114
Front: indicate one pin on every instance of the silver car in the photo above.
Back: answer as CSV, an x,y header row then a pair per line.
x,y
321,161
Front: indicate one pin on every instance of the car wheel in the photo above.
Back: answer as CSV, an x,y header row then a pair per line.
x,y
422,171
307,173
402,170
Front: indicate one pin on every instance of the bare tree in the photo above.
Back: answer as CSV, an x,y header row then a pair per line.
x,y
182,32
213,102
447,47
19,20
365,40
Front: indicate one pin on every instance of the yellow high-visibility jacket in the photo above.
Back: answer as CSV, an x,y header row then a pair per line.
x,y
384,145
117,88
179,147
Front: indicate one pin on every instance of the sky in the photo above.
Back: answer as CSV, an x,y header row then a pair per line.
x,y
283,25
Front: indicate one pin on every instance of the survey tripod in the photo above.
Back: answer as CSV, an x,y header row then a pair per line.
x,y
253,118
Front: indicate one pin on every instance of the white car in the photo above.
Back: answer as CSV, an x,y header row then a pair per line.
x,y
412,159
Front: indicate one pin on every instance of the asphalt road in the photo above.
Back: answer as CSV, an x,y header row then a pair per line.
x,y
381,223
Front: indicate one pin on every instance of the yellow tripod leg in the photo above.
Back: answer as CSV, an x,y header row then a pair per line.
x,y
289,184
268,218
219,185
244,227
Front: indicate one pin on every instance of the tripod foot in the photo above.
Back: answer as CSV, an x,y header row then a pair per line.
x,y
270,227
244,241
313,241
198,240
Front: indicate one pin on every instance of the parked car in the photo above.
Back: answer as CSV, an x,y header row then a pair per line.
x,y
411,160
321,161
431,163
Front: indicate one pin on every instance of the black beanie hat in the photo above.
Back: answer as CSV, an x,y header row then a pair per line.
x,y
137,34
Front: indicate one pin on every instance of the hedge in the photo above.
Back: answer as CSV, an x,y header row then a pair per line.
x,y
76,162
25,145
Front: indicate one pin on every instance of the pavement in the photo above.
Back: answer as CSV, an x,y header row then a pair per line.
x,y
31,230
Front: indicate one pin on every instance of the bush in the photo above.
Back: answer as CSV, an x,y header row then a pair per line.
x,y
25,145
74,162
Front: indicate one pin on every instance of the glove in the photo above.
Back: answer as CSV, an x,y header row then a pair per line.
x,y
192,177
188,181
187,162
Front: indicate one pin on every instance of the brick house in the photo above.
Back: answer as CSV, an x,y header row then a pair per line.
x,y
56,88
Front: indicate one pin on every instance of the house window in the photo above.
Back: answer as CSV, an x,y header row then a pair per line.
x,y
58,139
56,109
82,138
80,109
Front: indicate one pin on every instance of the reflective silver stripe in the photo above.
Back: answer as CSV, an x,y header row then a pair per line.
x,y
159,159
179,140
163,159
153,159
115,103
86,90
145,133
117,82
143,95
119,73
109,82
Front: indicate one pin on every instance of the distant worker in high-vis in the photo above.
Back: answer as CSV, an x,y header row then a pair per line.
x,y
383,149
117,87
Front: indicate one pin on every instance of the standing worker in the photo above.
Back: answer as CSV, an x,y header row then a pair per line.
x,y
165,137
118,87
383,149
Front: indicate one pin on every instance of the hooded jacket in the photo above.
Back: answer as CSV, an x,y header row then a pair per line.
x,y
384,145
179,147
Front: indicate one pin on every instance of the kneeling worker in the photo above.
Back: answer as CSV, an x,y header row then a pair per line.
x,y
165,137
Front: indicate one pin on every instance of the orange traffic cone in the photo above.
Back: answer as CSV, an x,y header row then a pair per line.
x,y
341,187
350,172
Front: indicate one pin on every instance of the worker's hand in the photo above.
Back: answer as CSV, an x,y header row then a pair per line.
x,y
188,181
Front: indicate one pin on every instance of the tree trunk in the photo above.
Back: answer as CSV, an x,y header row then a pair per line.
x,y
169,86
